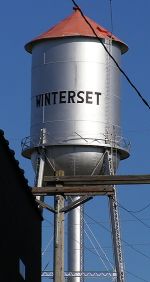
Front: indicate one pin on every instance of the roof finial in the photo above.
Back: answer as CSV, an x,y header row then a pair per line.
x,y
76,8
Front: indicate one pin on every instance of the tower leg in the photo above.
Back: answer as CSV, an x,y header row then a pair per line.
x,y
116,237
114,215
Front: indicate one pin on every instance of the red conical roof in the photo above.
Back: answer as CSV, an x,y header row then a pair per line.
x,y
75,25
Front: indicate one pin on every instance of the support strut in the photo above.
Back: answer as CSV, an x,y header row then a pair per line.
x,y
114,215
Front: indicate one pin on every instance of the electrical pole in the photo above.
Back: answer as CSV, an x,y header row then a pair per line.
x,y
58,239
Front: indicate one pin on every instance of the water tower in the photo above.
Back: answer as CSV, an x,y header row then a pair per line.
x,y
75,110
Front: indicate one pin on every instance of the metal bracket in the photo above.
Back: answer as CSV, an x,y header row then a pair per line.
x,y
66,209
46,206
76,203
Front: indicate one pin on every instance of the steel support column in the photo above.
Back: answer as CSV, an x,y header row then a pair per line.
x,y
114,215
116,238
75,244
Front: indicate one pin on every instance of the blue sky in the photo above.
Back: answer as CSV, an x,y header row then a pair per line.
x,y
20,21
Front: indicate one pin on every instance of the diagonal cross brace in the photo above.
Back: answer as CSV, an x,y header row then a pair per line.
x,y
76,203
46,206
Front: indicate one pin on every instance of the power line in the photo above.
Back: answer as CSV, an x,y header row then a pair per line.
x,y
140,210
113,59
87,248
102,250
100,247
95,253
126,243
135,244
122,220
45,266
138,219
135,276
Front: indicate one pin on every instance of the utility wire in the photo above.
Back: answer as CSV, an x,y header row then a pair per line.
x,y
140,210
108,230
45,266
135,244
113,59
97,243
92,223
96,251
135,276
88,249
93,252
100,247
131,246
138,219
126,243
122,220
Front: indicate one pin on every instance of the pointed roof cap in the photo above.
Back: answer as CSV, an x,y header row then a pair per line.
x,y
75,26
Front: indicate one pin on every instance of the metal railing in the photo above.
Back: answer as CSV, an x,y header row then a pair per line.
x,y
117,142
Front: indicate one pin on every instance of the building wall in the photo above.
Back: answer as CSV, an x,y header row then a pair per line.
x,y
20,235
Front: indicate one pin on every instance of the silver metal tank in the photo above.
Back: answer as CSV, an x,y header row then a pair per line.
x,y
75,103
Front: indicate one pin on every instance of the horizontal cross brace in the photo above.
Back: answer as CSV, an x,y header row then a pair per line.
x,y
98,179
91,185
73,190
92,274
